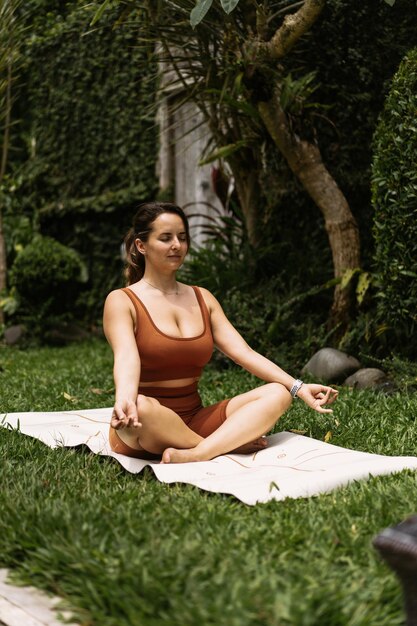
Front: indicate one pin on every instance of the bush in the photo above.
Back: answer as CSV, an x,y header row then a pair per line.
x,y
47,277
394,188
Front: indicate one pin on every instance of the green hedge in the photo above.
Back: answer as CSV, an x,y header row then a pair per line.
x,y
88,140
394,187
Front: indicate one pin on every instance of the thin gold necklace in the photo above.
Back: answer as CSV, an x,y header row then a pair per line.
x,y
167,293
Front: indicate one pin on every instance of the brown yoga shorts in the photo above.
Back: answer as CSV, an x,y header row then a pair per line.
x,y
186,402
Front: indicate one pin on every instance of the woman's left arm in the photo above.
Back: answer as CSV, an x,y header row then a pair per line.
x,y
229,341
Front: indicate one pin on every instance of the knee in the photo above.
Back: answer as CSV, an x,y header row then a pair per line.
x,y
278,394
146,406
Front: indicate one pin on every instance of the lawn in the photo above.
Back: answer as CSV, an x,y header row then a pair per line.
x,y
126,550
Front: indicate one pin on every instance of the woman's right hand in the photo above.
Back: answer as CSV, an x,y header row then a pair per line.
x,y
125,414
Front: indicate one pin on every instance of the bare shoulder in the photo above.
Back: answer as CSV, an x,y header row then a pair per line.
x,y
117,296
211,301
207,295
117,302
118,316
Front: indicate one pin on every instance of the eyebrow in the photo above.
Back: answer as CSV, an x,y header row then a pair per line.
x,y
169,232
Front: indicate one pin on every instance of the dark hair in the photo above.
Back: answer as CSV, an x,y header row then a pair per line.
x,y
146,214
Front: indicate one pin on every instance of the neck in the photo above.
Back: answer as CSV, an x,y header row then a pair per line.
x,y
166,285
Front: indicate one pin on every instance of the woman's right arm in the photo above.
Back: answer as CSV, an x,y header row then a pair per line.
x,y
118,325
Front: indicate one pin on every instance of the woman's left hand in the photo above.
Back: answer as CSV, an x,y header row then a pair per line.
x,y
317,396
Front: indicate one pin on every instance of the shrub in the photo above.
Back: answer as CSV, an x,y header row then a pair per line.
x,y
47,277
394,189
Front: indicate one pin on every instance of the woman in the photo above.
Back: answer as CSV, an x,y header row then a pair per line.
x,y
162,334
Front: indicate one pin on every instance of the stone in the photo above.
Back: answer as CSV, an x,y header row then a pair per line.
x,y
331,365
62,334
14,334
367,378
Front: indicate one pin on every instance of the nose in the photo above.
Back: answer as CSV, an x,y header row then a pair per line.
x,y
176,244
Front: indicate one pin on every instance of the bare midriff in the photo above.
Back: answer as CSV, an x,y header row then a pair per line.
x,y
179,382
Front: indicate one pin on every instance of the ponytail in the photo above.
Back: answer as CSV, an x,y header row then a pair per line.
x,y
135,262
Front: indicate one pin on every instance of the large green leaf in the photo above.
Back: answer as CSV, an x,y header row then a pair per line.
x,y
229,5
364,282
347,276
199,11
99,12
223,152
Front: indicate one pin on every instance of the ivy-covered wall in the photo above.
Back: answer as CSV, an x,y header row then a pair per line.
x,y
88,135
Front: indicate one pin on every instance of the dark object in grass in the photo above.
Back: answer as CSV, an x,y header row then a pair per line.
x,y
13,335
61,334
398,546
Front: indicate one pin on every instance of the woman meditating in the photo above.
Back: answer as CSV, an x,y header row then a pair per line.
x,y
162,333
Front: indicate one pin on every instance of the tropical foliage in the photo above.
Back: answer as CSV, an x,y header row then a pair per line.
x,y
84,151
394,185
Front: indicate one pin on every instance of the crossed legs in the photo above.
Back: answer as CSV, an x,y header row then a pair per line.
x,y
248,416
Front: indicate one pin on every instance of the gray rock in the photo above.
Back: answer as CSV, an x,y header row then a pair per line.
x,y
367,378
14,334
331,365
62,334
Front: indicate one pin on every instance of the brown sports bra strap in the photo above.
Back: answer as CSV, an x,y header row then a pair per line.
x,y
203,306
134,300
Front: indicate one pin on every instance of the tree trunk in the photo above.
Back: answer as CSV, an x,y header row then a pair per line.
x,y
305,161
248,191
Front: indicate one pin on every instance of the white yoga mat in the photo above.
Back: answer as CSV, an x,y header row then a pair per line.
x,y
292,466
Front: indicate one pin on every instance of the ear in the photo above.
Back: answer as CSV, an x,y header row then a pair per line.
x,y
140,247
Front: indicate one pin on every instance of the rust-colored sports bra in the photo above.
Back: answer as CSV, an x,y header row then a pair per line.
x,y
169,358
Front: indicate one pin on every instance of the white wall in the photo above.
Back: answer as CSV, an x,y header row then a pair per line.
x,y
183,139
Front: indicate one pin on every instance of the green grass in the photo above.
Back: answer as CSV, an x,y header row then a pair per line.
x,y
126,550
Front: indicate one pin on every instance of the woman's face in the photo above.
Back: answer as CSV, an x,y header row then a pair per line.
x,y
167,245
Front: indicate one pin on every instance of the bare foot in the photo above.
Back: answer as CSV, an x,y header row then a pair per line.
x,y
252,446
173,455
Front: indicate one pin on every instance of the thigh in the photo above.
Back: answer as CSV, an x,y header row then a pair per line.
x,y
242,399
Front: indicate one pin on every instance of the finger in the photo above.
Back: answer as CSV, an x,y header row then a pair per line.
x,y
333,393
326,398
331,399
320,409
117,422
117,416
132,415
321,401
